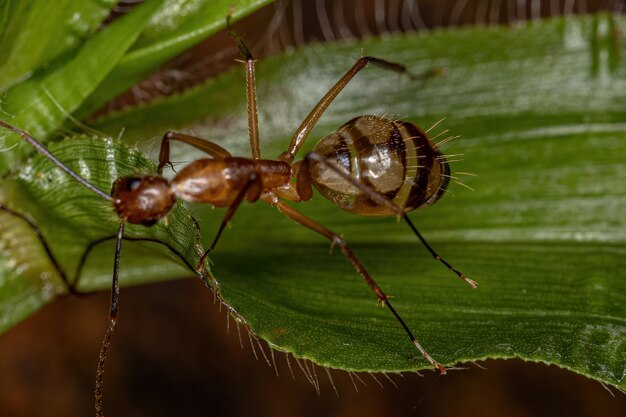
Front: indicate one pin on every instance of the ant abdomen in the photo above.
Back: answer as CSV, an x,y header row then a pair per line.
x,y
394,158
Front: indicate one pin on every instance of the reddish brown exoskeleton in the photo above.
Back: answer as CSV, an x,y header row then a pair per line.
x,y
370,166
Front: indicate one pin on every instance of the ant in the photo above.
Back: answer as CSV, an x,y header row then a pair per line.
x,y
370,166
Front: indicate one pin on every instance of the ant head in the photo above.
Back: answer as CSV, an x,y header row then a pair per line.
x,y
142,200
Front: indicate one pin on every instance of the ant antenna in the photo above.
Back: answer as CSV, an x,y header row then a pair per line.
x,y
45,152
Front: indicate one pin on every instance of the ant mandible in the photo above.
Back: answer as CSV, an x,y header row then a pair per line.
x,y
371,166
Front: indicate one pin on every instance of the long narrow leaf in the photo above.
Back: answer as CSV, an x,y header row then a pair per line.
x,y
176,28
43,103
34,32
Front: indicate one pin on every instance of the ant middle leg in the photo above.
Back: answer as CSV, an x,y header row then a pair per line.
x,y
251,190
70,286
304,187
335,239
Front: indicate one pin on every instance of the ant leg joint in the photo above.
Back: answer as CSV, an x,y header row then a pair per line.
x,y
170,134
336,240
285,157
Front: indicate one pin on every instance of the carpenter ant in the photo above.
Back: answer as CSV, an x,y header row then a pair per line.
x,y
371,166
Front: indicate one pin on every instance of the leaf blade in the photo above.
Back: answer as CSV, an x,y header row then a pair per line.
x,y
543,125
547,214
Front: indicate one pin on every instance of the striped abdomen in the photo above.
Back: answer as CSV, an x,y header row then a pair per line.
x,y
395,158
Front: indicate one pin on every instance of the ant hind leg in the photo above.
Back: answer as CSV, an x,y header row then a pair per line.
x,y
335,239
383,201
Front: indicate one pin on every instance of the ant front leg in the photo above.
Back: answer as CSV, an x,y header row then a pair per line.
x,y
70,286
212,149
251,190
83,258
311,120
305,186
335,239
115,297
183,259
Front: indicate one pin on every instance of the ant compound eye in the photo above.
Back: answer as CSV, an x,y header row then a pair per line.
x,y
125,185
133,184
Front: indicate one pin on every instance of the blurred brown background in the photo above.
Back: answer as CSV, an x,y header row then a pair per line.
x,y
171,353
171,356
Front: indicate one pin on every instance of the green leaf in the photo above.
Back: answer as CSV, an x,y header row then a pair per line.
x,y
541,108
44,102
55,27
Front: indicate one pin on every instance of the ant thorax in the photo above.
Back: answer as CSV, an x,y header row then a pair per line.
x,y
394,158
219,182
